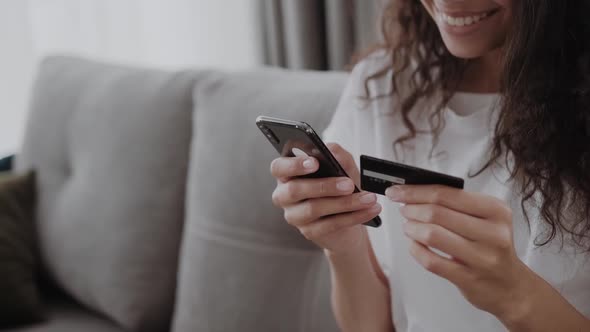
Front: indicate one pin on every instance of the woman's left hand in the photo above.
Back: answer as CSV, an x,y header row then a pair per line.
x,y
475,230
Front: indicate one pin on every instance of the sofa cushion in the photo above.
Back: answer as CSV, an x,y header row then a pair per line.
x,y
20,302
242,267
6,164
111,148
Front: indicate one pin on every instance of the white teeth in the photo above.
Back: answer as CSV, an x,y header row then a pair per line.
x,y
461,21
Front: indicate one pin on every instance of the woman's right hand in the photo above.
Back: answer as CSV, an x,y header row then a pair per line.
x,y
325,210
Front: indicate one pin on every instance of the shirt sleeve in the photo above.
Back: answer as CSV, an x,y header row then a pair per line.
x,y
341,129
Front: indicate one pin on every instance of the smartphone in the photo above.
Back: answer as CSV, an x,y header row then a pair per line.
x,y
288,136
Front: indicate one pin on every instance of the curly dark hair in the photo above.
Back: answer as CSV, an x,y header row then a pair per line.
x,y
544,115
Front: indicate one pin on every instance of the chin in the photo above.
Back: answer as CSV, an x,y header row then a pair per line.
x,y
465,54
466,50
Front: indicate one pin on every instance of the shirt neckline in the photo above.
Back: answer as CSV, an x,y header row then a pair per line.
x,y
468,103
474,115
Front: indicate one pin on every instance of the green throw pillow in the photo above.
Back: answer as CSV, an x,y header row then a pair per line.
x,y
20,301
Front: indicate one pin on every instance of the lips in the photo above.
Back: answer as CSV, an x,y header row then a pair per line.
x,y
461,21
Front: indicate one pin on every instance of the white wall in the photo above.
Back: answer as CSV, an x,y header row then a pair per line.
x,y
159,33
16,68
169,33
223,33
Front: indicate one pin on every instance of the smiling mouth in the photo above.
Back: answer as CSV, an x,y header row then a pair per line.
x,y
465,20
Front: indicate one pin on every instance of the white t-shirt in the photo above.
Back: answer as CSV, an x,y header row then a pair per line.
x,y
422,301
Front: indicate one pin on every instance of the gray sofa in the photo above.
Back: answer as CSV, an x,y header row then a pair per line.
x,y
155,211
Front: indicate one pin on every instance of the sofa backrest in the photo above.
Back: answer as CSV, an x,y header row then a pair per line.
x,y
116,147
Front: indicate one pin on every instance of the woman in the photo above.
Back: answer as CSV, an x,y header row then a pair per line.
x,y
496,92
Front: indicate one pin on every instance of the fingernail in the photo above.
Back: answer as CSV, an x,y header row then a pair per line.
x,y
367,198
308,163
375,208
401,207
345,185
393,193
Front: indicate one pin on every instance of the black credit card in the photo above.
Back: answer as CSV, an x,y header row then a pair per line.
x,y
378,175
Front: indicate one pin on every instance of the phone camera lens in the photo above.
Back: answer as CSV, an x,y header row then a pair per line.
x,y
269,134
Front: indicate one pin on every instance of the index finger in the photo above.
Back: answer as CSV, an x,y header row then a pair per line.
x,y
346,160
474,204
287,167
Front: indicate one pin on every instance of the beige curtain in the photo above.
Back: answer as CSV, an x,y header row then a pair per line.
x,y
318,34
